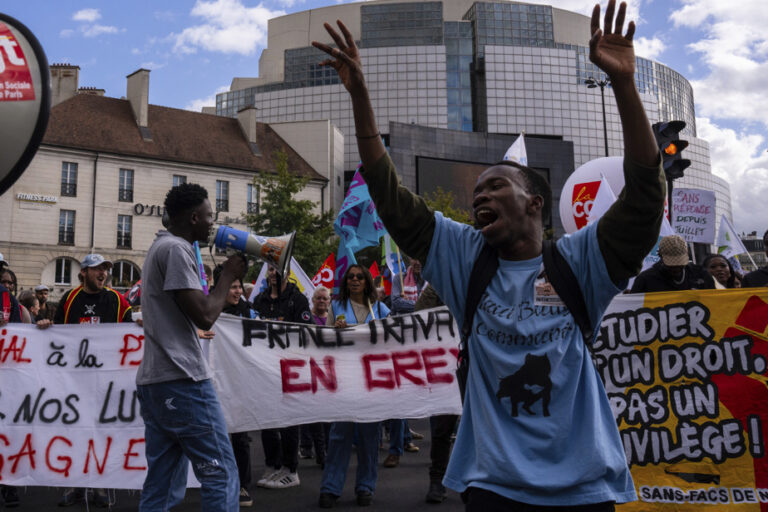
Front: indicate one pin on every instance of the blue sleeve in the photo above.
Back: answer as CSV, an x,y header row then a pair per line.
x,y
452,254
582,252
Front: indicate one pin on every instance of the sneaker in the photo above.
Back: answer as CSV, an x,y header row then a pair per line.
x,y
268,475
71,497
305,453
410,447
364,498
283,481
391,461
99,498
327,500
245,498
416,436
436,493
10,496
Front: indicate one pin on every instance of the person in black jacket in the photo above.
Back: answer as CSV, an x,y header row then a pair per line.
x,y
282,301
758,277
674,271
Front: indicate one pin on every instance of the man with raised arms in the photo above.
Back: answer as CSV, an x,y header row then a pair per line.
x,y
565,452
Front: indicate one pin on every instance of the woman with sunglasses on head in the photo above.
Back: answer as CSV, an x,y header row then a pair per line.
x,y
357,303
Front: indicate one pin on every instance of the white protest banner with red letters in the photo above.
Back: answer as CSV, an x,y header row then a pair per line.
x,y
693,214
283,374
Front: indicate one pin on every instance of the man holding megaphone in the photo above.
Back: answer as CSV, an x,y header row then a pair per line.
x,y
181,412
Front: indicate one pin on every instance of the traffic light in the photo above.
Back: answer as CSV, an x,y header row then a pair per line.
x,y
670,146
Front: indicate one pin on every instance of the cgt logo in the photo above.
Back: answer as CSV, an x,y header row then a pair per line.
x,y
583,198
15,78
323,277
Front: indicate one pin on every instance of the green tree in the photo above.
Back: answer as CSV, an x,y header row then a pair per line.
x,y
280,212
444,201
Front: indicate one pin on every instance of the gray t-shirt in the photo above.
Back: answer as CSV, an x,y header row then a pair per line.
x,y
171,345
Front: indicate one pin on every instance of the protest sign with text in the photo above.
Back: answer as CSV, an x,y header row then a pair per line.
x,y
693,214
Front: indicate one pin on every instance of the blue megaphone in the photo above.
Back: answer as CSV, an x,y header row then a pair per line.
x,y
273,250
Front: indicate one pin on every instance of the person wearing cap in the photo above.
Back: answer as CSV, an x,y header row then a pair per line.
x,y
47,308
674,271
93,302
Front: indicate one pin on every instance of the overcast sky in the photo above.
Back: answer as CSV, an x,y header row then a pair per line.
x,y
195,48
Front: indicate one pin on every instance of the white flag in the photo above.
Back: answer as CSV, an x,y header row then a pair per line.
x,y
728,242
603,201
516,152
297,277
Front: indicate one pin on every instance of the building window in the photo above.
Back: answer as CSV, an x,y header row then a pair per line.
x,y
63,271
125,192
67,227
253,199
178,179
125,274
69,179
124,224
222,196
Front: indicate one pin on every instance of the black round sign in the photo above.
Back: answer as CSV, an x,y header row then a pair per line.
x,y
25,99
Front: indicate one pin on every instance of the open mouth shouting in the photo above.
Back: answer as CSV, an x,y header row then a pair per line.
x,y
485,218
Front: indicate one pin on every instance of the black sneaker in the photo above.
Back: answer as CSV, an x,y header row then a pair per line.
x,y
10,496
99,498
245,498
436,493
327,500
364,498
72,497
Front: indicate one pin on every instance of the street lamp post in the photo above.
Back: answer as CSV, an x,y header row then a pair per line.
x,y
592,83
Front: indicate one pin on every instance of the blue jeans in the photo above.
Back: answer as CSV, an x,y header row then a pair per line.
x,y
337,459
184,421
399,436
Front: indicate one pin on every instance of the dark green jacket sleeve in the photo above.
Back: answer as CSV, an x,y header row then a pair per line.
x,y
408,219
630,228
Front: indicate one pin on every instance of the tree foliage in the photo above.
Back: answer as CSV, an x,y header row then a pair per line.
x,y
280,212
444,201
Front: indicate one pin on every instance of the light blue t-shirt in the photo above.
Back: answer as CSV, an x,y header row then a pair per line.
x,y
537,426
380,310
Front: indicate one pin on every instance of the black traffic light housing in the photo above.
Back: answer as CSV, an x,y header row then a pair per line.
x,y
671,146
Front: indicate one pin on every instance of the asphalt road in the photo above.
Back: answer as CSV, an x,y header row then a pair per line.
x,y
398,489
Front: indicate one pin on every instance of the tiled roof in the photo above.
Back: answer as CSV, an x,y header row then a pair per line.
x,y
100,123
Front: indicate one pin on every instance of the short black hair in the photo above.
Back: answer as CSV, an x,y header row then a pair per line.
x,y
184,197
534,184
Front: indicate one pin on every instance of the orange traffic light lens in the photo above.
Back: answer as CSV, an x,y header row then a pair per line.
x,y
671,149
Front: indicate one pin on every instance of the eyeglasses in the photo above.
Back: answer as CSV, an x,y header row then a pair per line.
x,y
359,276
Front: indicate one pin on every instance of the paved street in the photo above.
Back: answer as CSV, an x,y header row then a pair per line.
x,y
401,489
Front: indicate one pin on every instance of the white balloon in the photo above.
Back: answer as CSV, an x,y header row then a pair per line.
x,y
581,188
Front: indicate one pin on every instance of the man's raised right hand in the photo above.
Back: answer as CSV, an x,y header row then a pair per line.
x,y
346,58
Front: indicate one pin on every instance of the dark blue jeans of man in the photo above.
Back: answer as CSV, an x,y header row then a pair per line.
x,y
339,450
183,422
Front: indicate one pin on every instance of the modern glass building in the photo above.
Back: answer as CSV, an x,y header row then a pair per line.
x,y
487,67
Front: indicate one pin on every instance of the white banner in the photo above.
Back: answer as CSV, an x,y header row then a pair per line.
x,y
693,214
69,416
281,374
68,407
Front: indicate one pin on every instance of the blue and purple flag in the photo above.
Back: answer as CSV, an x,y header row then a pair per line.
x,y
358,226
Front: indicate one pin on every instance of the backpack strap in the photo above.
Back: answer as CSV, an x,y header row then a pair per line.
x,y
567,287
483,270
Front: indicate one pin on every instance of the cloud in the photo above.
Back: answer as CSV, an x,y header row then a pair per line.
x,y
67,32
151,65
229,27
97,30
209,101
741,159
649,48
734,49
89,15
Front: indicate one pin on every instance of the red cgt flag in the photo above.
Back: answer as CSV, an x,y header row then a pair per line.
x,y
324,276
